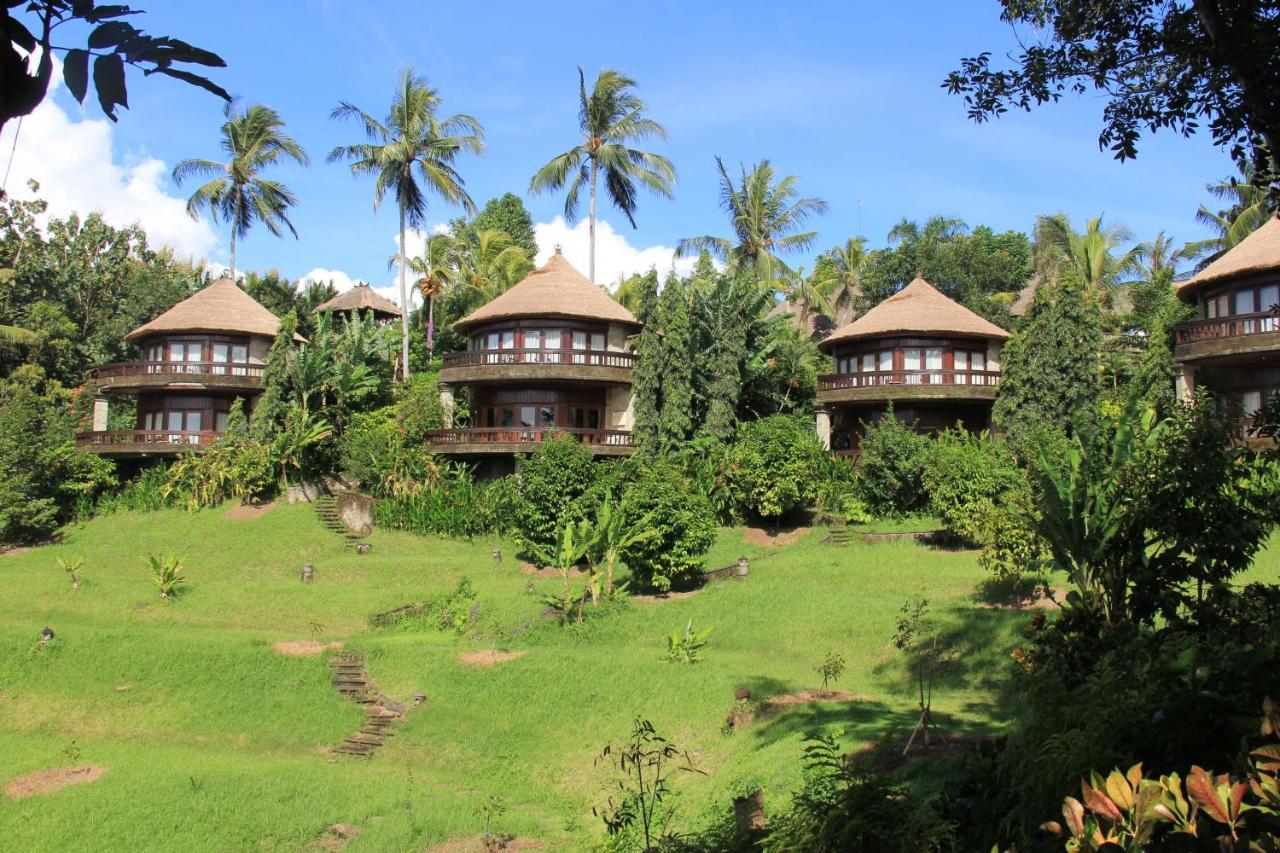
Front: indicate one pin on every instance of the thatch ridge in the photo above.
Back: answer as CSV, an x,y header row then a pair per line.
x,y
919,308
554,290
1257,253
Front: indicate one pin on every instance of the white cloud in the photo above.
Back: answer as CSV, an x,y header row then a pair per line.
x,y
75,165
615,257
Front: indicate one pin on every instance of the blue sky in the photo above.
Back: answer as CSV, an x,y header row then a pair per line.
x,y
844,95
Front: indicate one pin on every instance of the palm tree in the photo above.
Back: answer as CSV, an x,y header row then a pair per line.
x,y
252,139
16,335
435,269
610,117
841,285
490,263
412,135
1249,208
1158,256
766,216
1091,253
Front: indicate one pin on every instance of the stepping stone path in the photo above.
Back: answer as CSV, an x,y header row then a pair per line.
x,y
326,507
840,533
351,679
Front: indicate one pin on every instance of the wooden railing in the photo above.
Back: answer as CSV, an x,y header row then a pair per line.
x,y
179,368
593,358
869,379
1228,327
142,437
528,435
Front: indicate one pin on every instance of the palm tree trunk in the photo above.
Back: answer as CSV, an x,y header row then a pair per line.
x,y
431,325
404,307
235,222
233,253
591,226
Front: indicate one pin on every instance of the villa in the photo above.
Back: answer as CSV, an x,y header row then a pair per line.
x,y
197,358
934,360
552,354
1233,348
358,300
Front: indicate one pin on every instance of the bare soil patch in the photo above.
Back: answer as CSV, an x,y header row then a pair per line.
x,y
248,512
488,658
665,596
304,648
784,536
51,781
336,837
548,572
806,697
486,843
15,551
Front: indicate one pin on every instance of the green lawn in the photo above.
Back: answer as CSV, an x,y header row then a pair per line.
x,y
219,743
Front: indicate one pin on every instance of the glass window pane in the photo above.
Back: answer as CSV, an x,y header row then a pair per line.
x,y
593,418
961,360
978,360
869,362
1211,309
175,421
526,416
221,353
579,340
1250,403
240,353
177,352
491,341
597,341
1222,306
911,358
509,340
886,360
533,339
1270,297
553,339
220,421
508,417
194,419
933,358
1244,302
548,415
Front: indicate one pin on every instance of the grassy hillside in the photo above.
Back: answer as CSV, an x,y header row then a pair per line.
x,y
213,740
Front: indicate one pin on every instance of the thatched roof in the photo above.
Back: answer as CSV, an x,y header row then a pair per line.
x,y
362,297
219,307
1257,253
555,290
1020,306
916,309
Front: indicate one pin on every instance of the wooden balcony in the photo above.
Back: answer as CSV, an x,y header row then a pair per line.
x,y
915,385
142,442
564,365
497,440
1241,335
153,375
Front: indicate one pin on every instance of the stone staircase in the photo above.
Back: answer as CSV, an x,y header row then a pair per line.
x,y
840,534
350,677
326,507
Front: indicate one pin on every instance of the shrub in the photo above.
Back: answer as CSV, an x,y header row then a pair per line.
x,y
144,493
838,490
773,466
891,467
966,476
452,505
375,451
167,573
418,409
231,468
44,477
551,480
658,494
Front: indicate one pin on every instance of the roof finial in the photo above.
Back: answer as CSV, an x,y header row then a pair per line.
x,y
558,248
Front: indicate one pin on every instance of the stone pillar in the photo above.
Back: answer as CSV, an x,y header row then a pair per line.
x,y
1184,382
993,355
446,404
823,417
100,414
619,408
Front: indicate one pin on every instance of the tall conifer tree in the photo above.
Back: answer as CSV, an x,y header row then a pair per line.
x,y
273,407
1049,372
646,379
676,421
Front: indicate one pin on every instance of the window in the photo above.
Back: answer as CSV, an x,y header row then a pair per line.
x,y
220,421
508,417
868,362
1222,305
842,365
548,416
551,340
1270,297
1211,309
239,355
579,342
1244,302
911,361
978,361
1250,403
532,340
886,360
527,414
221,353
